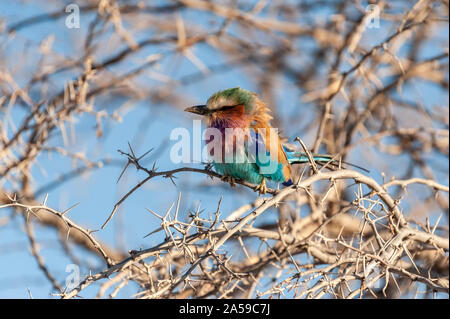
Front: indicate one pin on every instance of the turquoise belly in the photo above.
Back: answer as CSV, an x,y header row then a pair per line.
x,y
249,172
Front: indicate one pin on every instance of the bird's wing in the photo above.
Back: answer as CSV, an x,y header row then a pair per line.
x,y
265,149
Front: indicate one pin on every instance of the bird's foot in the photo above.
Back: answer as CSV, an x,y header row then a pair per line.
x,y
229,179
261,188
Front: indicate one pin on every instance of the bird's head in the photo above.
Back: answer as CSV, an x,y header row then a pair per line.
x,y
227,102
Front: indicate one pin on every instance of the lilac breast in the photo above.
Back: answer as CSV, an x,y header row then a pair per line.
x,y
219,145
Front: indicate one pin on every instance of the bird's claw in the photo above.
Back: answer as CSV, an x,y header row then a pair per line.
x,y
261,188
229,179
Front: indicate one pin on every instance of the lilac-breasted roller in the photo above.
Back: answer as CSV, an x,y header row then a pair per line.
x,y
236,109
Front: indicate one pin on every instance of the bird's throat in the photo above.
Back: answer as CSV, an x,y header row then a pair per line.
x,y
232,118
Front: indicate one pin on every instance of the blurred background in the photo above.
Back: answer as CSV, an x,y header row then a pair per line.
x,y
81,80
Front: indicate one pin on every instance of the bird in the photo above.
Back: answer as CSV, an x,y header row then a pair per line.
x,y
262,155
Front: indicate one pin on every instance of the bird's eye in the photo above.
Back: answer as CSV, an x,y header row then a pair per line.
x,y
227,107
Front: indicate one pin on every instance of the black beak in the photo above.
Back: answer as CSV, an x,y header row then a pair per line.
x,y
198,109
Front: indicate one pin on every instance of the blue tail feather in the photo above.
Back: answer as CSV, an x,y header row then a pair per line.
x,y
294,157
298,158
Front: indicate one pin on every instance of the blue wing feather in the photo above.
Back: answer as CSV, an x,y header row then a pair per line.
x,y
267,163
